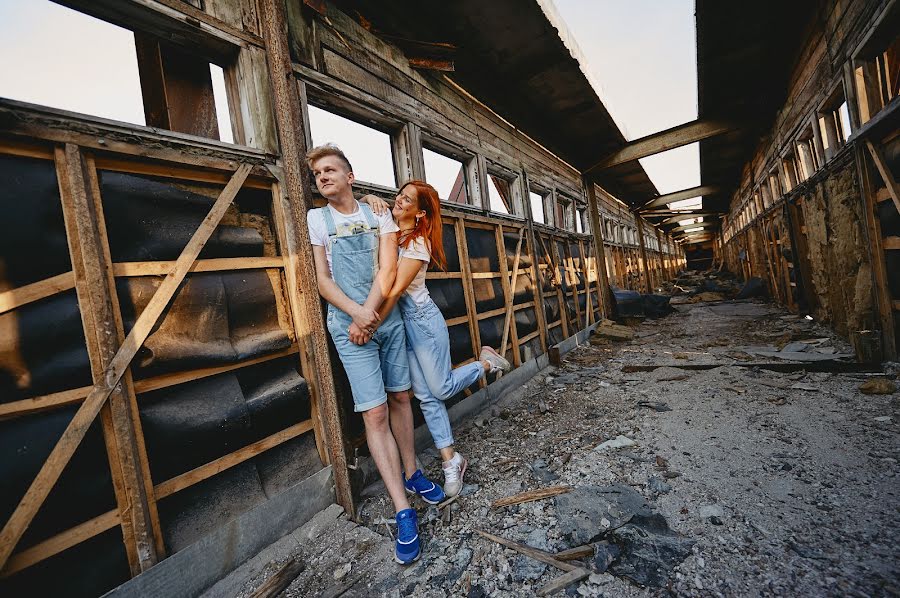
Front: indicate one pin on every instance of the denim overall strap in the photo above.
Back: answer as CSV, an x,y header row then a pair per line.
x,y
369,216
329,221
354,256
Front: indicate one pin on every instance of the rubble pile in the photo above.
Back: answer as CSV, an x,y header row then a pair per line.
x,y
676,462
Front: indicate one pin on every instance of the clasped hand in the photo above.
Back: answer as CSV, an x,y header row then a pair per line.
x,y
365,322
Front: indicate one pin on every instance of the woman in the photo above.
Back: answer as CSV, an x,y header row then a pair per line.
x,y
417,211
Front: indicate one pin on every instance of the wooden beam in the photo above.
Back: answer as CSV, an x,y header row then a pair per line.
x,y
886,175
512,289
680,217
691,193
301,276
704,224
663,141
535,553
648,278
103,332
74,433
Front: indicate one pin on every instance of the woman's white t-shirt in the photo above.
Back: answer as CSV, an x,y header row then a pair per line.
x,y
417,250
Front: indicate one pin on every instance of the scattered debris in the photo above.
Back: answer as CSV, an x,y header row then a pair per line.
x,y
282,579
617,442
654,405
588,512
610,330
878,386
530,496
650,550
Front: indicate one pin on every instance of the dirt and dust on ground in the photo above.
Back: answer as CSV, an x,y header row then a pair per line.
x,y
727,481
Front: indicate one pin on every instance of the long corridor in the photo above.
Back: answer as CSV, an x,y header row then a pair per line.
x,y
767,482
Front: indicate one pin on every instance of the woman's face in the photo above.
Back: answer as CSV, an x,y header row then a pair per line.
x,y
406,207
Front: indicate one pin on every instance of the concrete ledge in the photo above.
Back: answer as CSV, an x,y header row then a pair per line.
x,y
558,350
197,567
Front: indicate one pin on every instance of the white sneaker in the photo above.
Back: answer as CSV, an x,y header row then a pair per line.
x,y
498,363
454,470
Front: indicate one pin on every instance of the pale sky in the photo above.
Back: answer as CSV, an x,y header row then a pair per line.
x,y
640,54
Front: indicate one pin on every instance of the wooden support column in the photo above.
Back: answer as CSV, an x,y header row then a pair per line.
x,y
509,287
311,334
103,333
599,249
660,255
535,268
408,161
648,282
465,268
883,298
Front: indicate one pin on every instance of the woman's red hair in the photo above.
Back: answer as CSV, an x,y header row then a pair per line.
x,y
429,226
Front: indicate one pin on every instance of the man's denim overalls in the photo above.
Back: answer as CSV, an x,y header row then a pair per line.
x,y
380,365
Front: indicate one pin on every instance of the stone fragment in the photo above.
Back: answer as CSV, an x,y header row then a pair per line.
x,y
658,486
581,512
617,442
650,550
878,386
795,346
707,511
526,568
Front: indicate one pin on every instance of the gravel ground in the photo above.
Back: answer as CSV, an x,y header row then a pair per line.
x,y
773,483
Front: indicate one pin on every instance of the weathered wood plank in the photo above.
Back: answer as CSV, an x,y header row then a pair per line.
x,y
84,417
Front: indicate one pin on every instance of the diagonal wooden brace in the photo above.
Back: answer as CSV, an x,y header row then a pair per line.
x,y
74,433
511,307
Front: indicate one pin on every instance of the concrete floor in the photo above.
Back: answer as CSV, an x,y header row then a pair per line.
x,y
776,483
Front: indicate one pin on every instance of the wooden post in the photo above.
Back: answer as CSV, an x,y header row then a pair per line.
x,y
314,345
103,332
599,249
648,278
535,269
510,290
879,268
465,268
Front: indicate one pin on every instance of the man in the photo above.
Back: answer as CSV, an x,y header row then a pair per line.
x,y
356,263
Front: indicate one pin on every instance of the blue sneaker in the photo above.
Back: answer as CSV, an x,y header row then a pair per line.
x,y
407,548
428,490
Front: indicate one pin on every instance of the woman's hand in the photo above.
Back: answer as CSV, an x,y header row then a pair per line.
x,y
378,205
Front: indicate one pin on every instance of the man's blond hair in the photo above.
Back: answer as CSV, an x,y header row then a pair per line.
x,y
329,149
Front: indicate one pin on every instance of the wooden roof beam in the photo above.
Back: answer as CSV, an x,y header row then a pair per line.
x,y
663,141
704,224
685,216
680,196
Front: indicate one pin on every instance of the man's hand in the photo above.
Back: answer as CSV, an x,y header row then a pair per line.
x,y
360,336
366,318
378,205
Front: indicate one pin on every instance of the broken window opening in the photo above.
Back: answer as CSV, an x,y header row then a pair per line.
x,y
806,149
877,68
833,127
537,207
77,79
369,150
499,193
447,175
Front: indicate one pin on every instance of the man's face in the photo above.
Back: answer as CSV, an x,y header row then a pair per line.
x,y
332,176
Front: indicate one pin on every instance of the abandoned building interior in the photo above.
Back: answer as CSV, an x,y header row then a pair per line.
x,y
171,405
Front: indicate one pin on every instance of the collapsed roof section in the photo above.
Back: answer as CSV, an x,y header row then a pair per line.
x,y
745,56
512,56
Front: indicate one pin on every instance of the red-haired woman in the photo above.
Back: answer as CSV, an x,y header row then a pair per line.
x,y
417,211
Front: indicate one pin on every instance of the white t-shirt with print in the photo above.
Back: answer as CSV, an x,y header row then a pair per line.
x,y
417,250
318,230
